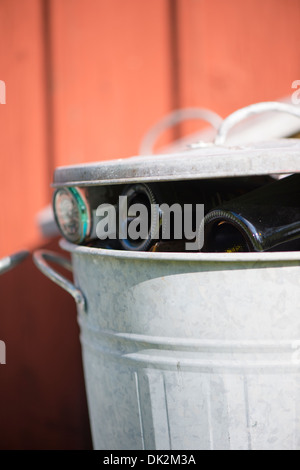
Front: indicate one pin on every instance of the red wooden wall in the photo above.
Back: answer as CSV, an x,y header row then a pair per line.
x,y
84,80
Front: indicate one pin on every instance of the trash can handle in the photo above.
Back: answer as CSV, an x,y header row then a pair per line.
x,y
11,261
40,258
175,117
257,108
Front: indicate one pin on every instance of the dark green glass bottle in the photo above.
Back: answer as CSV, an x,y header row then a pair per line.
x,y
208,192
265,219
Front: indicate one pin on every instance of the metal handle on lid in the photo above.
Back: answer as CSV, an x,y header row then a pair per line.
x,y
257,108
40,259
11,261
177,116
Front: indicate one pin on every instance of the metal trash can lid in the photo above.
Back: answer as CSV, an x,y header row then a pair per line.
x,y
210,160
280,156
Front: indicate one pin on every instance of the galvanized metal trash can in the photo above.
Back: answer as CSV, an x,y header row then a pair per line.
x,y
188,351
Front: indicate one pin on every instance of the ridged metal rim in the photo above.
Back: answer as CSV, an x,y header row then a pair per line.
x,y
252,257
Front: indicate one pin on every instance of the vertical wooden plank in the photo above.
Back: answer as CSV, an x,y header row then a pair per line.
x,y
42,394
111,76
22,123
233,53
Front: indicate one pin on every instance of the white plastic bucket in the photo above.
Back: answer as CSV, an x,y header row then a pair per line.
x,y
188,351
